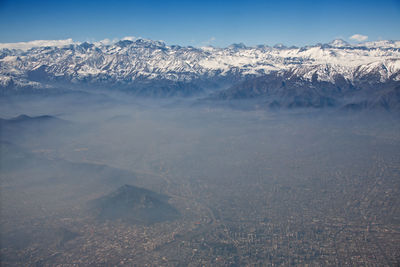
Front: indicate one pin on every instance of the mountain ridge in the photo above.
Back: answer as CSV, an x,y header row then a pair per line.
x,y
152,68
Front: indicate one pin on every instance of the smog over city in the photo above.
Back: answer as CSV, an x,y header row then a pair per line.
x,y
206,149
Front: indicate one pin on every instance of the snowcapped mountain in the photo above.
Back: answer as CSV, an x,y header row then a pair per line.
x,y
151,67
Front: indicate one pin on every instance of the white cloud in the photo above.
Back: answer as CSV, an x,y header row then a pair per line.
x,y
129,38
209,41
61,43
359,37
37,43
106,41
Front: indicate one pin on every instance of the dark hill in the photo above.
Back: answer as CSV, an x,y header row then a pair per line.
x,y
24,127
134,205
24,121
27,119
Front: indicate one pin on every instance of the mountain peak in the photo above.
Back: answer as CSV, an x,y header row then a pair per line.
x,y
237,46
134,205
338,43
124,43
280,46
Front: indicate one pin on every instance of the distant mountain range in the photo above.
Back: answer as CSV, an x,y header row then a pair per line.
x,y
337,73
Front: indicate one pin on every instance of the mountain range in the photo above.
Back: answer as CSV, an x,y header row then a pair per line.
x,y
337,73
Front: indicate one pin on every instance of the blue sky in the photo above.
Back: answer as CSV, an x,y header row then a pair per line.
x,y
199,23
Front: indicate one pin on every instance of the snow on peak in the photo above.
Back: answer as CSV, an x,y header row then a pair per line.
x,y
339,43
130,58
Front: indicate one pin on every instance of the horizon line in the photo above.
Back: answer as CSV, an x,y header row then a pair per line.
x,y
25,45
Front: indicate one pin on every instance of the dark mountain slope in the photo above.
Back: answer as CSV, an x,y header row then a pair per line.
x,y
291,91
134,205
